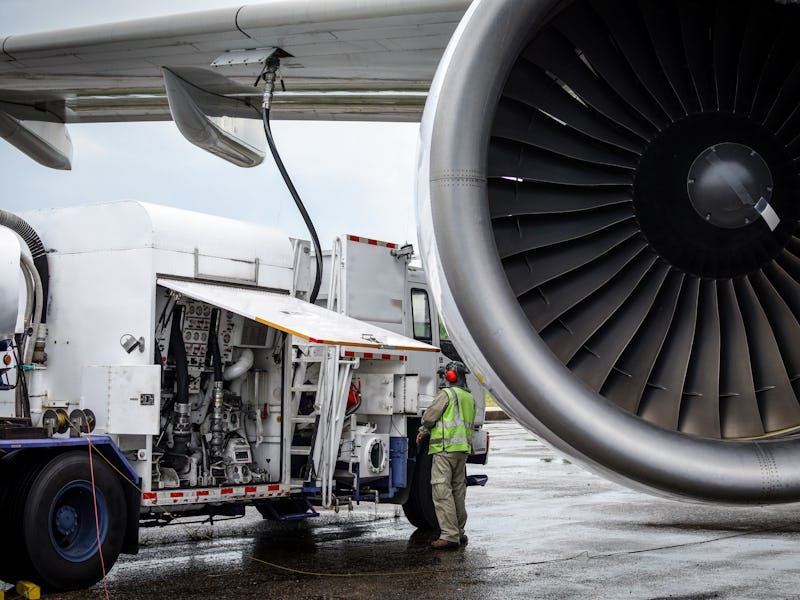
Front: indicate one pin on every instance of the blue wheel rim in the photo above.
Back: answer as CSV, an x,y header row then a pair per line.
x,y
71,521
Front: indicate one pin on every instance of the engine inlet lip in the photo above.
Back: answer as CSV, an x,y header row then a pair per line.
x,y
492,331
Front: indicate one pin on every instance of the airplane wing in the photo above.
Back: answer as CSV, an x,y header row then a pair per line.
x,y
340,60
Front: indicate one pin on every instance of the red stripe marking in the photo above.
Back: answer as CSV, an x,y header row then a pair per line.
x,y
315,341
368,355
250,490
362,240
202,492
176,495
226,491
386,357
273,488
149,496
350,354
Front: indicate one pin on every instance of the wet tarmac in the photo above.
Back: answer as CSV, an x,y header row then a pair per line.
x,y
541,528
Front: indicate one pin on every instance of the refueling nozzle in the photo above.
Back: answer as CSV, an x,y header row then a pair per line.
x,y
269,75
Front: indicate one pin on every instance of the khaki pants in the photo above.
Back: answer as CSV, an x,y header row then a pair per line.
x,y
449,486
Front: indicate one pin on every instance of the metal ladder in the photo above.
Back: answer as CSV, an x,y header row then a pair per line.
x,y
330,387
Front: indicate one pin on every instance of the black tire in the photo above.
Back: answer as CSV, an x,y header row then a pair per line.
x,y
58,521
419,507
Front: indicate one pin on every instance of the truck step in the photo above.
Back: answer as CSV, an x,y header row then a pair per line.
x,y
307,387
304,419
291,513
13,432
306,360
300,450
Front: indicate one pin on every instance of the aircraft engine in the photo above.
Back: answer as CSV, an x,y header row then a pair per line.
x,y
608,201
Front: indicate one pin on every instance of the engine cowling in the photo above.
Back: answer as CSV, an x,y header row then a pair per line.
x,y
608,201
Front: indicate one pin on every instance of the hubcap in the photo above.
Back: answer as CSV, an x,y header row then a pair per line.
x,y
66,520
72,521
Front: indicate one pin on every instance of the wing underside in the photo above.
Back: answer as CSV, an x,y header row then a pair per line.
x,y
340,60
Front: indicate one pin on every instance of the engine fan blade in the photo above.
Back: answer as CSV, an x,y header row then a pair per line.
x,y
513,197
661,401
700,405
548,302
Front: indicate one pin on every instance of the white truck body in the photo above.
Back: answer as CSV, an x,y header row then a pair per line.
x,y
297,405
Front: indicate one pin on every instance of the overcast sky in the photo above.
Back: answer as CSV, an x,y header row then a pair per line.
x,y
354,177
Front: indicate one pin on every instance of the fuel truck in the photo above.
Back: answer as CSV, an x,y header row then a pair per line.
x,y
159,363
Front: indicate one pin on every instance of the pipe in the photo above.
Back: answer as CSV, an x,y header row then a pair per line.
x,y
30,295
36,320
241,366
238,371
38,252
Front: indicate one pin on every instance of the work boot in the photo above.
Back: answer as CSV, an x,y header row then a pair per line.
x,y
441,544
463,539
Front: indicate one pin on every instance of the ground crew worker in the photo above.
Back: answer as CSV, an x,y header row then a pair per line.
x,y
449,423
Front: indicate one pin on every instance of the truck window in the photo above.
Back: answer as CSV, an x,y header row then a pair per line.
x,y
421,316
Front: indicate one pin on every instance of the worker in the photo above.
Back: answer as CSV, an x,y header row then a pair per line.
x,y
449,423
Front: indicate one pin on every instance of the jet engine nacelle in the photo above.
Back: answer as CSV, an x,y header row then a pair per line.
x,y
608,201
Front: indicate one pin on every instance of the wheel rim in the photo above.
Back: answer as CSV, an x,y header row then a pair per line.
x,y
73,531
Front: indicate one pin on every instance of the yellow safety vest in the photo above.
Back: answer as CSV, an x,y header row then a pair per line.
x,y
453,430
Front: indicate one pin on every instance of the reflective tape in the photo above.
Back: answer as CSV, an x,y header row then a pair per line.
x,y
205,495
362,240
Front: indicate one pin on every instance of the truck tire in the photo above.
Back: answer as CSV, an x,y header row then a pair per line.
x,y
419,507
58,521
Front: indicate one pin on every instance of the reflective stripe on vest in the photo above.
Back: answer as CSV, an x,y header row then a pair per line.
x,y
453,430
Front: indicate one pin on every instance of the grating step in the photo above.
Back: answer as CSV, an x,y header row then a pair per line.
x,y
300,450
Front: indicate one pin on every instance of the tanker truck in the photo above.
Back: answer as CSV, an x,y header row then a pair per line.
x,y
159,363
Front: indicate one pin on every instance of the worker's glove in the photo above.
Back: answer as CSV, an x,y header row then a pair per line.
x,y
423,433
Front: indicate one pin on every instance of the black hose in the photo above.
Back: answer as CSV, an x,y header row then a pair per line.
x,y
38,252
181,431
213,344
21,386
300,206
179,355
